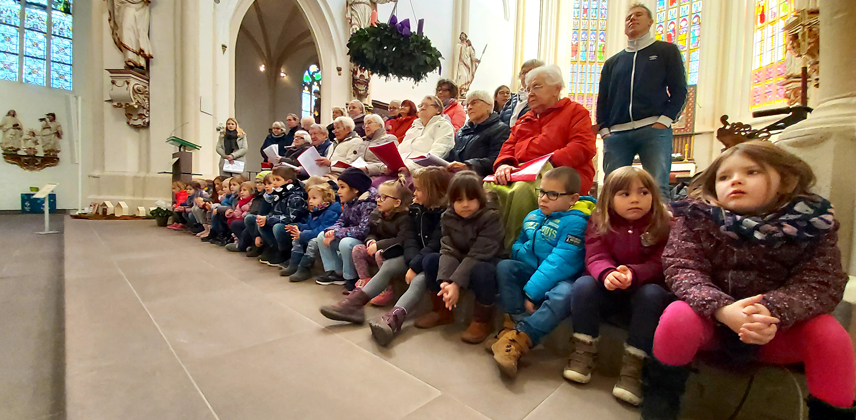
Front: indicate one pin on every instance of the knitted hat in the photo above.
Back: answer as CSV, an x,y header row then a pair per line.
x,y
356,179
261,176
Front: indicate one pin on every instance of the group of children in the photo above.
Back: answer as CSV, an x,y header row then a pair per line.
x,y
747,265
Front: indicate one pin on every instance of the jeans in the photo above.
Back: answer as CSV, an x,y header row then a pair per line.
x,y
218,221
283,238
337,256
482,278
512,276
654,147
821,343
647,303
252,227
239,228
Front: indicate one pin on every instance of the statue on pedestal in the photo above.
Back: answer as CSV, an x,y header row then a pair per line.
x,y
129,24
51,134
13,131
467,65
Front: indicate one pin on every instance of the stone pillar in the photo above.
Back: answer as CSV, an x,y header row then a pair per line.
x,y
827,139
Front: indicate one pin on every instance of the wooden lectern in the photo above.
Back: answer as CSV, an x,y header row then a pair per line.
x,y
182,161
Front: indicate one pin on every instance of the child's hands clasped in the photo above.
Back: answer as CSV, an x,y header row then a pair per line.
x,y
750,319
371,247
450,292
294,231
619,279
260,220
229,213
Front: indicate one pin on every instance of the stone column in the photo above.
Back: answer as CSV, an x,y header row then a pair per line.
x,y
827,139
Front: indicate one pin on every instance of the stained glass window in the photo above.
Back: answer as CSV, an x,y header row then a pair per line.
x,y
679,22
768,59
311,83
588,47
36,41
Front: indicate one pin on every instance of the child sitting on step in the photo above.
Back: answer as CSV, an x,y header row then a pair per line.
x,y
535,285
471,246
288,205
324,211
257,204
624,243
179,197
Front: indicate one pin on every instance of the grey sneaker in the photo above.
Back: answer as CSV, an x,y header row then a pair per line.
x,y
582,360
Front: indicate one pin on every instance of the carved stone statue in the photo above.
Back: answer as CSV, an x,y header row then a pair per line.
x,y
50,135
467,64
129,24
31,140
13,131
360,14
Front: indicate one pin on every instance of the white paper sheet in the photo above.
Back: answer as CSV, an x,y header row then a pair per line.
x,y
429,160
236,167
359,163
307,161
272,153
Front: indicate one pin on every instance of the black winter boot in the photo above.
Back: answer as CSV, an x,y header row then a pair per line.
x,y
293,264
663,386
818,409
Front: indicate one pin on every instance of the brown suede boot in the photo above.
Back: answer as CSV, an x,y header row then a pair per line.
x,y
439,315
480,327
349,309
508,351
507,327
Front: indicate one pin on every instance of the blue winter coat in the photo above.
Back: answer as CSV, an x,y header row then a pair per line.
x,y
288,205
317,221
553,246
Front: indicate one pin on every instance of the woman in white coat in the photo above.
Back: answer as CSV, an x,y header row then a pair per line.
x,y
431,133
232,144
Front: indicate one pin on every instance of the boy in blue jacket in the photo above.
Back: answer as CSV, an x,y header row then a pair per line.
x,y
288,205
324,212
535,285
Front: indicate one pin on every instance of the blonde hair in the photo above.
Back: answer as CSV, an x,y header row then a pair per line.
x,y
404,194
237,179
434,181
237,126
437,103
621,179
327,193
314,180
793,171
248,186
179,184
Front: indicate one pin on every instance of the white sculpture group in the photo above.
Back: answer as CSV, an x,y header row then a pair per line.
x,y
16,139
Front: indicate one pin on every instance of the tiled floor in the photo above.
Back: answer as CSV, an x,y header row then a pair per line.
x,y
31,319
162,326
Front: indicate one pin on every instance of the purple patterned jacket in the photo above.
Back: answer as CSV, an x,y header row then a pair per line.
x,y
354,221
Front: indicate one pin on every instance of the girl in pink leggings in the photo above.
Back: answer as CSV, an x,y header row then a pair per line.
x,y
752,258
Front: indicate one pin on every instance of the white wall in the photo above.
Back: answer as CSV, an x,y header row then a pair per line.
x,y
489,27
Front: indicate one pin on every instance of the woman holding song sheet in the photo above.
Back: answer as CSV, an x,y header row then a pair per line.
x,y
478,142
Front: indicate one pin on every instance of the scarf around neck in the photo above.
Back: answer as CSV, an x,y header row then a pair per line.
x,y
803,219
230,141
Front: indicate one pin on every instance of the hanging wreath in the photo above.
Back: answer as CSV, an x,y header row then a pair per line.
x,y
391,50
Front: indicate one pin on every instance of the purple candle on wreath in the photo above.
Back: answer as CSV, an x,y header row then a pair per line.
x,y
419,27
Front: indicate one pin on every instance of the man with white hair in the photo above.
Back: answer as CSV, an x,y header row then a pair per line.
x,y
319,139
642,92
517,106
306,122
558,126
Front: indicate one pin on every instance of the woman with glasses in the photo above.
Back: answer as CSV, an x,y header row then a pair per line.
x,y
558,126
430,133
447,92
479,141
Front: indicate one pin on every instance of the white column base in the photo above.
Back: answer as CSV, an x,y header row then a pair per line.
x,y
827,142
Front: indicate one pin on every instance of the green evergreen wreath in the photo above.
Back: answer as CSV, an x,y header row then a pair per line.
x,y
384,51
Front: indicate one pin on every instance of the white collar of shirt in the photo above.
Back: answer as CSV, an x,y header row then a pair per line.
x,y
639,43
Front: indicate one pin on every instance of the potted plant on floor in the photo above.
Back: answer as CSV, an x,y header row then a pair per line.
x,y
161,215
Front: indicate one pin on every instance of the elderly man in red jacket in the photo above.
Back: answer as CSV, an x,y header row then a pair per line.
x,y
552,125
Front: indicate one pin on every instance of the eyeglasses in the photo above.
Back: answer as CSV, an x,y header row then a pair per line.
x,y
551,195
383,197
393,108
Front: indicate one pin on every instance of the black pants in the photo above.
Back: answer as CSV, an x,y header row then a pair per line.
x,y
590,300
218,222
239,228
180,218
482,278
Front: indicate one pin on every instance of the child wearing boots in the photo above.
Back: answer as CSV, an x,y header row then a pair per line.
x,y
358,200
179,197
752,258
257,205
624,242
288,205
470,248
429,197
324,210
535,284
220,233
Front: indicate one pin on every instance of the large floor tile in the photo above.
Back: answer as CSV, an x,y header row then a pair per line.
x,y
584,402
209,324
444,407
308,376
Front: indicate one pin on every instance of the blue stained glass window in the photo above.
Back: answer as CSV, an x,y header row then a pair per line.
x,y
9,39
34,44
60,76
34,71
61,50
9,67
61,24
10,13
36,19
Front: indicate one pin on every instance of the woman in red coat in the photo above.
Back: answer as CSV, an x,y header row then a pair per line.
x,y
447,91
561,127
400,124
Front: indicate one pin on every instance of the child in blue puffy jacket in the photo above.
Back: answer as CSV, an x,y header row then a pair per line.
x,y
535,285
324,212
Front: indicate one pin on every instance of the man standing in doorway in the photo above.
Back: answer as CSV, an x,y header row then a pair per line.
x,y
642,91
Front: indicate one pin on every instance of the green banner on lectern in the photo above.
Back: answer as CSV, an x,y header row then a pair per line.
x,y
179,142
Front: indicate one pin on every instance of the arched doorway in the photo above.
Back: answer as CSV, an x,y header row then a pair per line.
x,y
274,47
